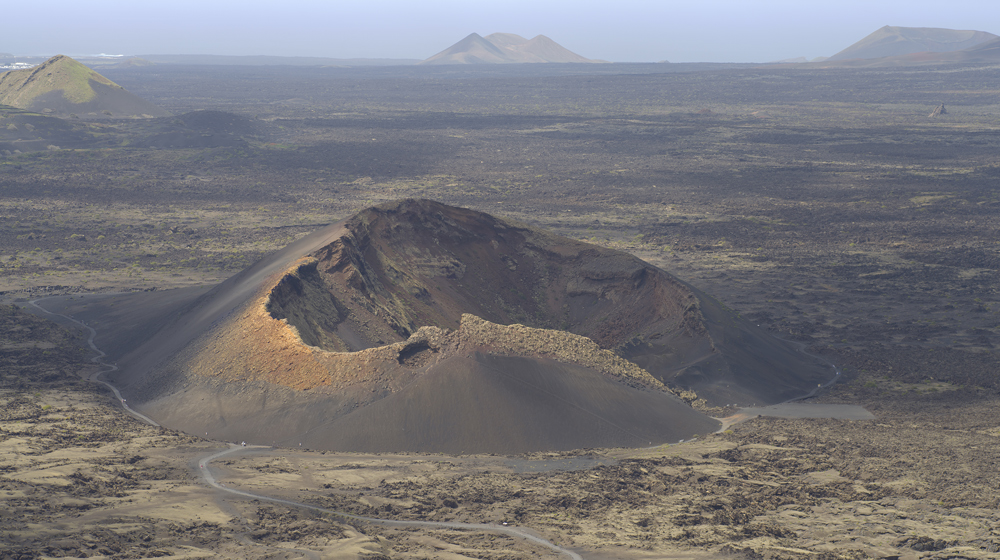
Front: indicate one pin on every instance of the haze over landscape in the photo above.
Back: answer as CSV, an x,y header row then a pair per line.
x,y
498,293
627,31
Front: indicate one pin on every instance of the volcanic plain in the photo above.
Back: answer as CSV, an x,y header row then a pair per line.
x,y
823,206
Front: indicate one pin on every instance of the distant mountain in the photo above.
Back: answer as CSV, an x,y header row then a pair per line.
x,y
984,53
473,49
897,41
504,48
62,85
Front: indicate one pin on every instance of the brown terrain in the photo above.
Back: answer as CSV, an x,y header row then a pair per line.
x,y
406,303
828,208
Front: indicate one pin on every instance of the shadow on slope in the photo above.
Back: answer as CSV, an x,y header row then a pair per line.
x,y
108,101
63,85
415,263
419,326
488,403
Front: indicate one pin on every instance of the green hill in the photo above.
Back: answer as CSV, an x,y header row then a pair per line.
x,y
62,85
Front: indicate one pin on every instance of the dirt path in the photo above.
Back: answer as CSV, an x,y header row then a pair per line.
x,y
96,377
793,409
836,371
204,468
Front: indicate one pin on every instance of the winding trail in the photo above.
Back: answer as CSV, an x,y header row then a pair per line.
x,y
96,377
836,371
206,472
743,416
203,466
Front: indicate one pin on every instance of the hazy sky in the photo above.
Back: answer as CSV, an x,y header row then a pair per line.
x,y
615,30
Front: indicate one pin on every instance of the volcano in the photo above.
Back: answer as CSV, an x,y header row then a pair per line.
x,y
505,48
416,326
64,86
898,41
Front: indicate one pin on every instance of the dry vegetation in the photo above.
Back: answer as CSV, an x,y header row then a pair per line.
x,y
826,206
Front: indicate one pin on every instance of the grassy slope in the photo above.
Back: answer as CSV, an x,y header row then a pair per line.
x,y
19,88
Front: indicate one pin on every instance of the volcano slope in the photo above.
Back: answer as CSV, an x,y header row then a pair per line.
x,y
64,86
415,326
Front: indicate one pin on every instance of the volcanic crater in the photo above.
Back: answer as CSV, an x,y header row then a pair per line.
x,y
416,326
